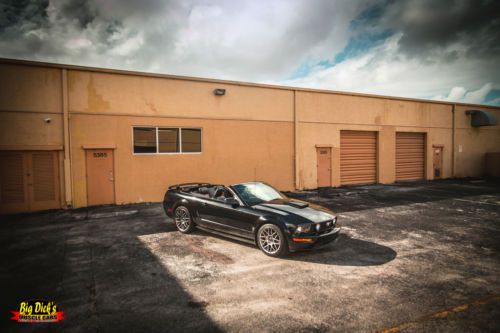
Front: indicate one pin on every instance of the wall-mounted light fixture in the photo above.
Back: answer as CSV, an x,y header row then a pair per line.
x,y
219,92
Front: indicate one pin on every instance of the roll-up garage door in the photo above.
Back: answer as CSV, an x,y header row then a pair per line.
x,y
358,157
29,181
410,156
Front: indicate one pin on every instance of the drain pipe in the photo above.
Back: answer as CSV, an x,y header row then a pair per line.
x,y
453,140
296,141
67,153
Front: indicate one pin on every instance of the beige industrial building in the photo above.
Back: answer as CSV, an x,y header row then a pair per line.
x,y
75,136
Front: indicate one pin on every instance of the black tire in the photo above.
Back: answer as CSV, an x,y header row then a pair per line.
x,y
183,220
272,241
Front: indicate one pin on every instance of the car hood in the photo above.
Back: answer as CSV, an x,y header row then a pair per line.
x,y
297,211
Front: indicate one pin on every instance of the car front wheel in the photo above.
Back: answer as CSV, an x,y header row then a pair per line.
x,y
271,241
183,220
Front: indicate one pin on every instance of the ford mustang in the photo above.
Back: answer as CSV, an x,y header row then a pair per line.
x,y
252,212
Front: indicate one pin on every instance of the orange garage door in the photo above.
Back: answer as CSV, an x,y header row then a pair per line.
x,y
410,156
358,157
29,181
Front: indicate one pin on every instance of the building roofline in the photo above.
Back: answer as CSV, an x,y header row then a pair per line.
x,y
238,83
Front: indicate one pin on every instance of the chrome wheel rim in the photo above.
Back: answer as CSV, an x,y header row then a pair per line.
x,y
269,240
182,219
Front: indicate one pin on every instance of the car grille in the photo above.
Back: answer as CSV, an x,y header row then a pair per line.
x,y
323,227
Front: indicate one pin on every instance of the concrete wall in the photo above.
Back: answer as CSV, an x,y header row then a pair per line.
x,y
323,115
253,132
28,95
149,96
247,134
233,151
471,144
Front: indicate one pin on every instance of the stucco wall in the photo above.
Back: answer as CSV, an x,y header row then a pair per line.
x,y
247,134
322,116
28,95
135,95
233,151
471,144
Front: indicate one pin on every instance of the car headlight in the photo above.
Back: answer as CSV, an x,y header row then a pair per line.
x,y
303,228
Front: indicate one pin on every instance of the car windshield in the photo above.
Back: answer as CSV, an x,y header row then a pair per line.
x,y
256,193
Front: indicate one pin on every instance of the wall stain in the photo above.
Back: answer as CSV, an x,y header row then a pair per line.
x,y
151,106
95,102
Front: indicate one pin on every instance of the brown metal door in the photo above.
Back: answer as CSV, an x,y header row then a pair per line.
x,y
324,167
410,156
358,157
43,180
13,182
100,177
438,162
29,181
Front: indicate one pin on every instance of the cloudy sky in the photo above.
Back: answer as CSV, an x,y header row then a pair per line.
x,y
433,49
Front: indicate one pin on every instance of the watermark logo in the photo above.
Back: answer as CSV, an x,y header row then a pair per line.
x,y
37,312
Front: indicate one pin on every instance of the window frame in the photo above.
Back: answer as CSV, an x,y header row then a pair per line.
x,y
157,128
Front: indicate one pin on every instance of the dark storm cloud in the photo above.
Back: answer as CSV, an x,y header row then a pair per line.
x,y
333,44
42,28
429,26
31,13
79,10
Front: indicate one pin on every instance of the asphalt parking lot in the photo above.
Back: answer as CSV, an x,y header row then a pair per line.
x,y
412,257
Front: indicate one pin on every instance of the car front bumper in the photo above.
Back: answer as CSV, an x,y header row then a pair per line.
x,y
297,243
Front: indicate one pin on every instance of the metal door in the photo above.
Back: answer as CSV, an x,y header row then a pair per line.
x,y
358,157
43,180
324,167
410,156
13,182
29,181
438,162
100,177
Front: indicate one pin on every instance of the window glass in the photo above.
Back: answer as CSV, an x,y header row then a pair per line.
x,y
168,140
257,193
144,140
191,140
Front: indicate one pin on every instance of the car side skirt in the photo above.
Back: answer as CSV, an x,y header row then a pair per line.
x,y
223,234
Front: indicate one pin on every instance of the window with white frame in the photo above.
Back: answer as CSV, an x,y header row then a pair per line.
x,y
166,140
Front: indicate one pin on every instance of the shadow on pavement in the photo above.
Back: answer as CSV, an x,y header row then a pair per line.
x,y
99,273
359,197
347,251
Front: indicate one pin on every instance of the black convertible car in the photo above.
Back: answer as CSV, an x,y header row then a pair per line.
x,y
253,212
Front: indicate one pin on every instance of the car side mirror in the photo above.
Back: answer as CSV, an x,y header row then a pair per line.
x,y
233,202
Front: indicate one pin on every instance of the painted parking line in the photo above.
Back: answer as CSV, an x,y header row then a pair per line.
x,y
478,202
443,314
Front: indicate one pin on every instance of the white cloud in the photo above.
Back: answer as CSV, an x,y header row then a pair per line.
x,y
456,94
128,46
384,70
269,41
478,96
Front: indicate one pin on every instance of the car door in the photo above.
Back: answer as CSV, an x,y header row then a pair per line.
x,y
219,215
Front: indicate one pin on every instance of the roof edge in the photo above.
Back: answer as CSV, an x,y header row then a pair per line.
x,y
239,83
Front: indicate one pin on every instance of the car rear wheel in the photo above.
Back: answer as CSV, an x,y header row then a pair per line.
x,y
183,220
271,241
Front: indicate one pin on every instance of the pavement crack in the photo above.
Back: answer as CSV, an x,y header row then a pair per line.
x,y
442,314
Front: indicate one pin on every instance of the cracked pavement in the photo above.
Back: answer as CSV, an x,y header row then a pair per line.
x,y
412,257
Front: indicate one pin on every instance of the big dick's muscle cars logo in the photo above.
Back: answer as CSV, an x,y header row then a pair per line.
x,y
37,311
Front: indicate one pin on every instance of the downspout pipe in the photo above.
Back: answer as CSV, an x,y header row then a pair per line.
x,y
296,141
67,152
453,109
